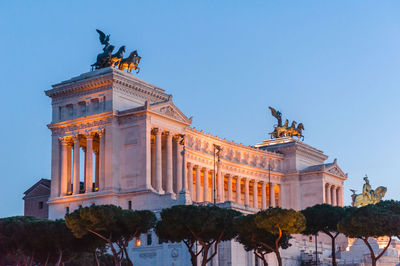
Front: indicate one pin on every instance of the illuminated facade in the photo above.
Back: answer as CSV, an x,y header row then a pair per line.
x,y
116,139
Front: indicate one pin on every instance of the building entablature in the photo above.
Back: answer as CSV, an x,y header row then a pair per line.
x,y
206,160
81,125
105,77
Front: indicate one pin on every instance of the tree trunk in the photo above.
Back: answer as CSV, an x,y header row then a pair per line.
x,y
278,257
127,256
59,257
47,259
96,260
333,252
205,255
373,261
193,259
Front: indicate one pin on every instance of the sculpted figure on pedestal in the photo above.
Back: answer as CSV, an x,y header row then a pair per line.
x,y
284,130
108,59
368,195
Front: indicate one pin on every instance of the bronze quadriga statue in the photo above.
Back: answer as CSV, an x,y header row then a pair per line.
x,y
108,59
284,130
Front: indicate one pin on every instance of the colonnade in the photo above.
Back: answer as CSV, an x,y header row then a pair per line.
x,y
333,194
230,187
166,161
92,143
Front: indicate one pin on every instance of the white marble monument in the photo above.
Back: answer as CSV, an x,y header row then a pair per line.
x,y
116,140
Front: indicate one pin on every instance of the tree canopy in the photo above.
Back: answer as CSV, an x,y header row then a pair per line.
x,y
324,218
371,221
206,225
112,224
278,222
258,239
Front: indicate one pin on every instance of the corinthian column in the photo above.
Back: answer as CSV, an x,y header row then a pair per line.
x,y
238,201
169,163
272,194
328,194
64,166
333,189
76,173
205,187
89,163
190,179
255,195
229,187
179,168
246,191
263,196
101,159
157,133
198,184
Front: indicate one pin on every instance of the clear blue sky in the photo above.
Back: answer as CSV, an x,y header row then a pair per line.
x,y
333,65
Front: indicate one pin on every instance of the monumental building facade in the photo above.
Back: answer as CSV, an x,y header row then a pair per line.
x,y
117,139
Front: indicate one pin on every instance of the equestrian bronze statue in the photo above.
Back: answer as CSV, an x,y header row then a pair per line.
x,y
368,195
108,59
284,130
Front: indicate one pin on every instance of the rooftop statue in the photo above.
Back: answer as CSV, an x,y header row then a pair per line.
x,y
284,130
368,195
108,59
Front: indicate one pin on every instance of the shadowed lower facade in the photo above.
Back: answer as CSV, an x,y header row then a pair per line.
x,y
117,139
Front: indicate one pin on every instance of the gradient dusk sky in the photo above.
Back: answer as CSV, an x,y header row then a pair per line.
x,y
333,65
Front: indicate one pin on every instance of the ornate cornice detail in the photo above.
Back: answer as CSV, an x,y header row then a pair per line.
x,y
79,128
107,79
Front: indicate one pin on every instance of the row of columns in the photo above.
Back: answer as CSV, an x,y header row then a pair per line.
x,y
201,192
333,195
74,143
169,162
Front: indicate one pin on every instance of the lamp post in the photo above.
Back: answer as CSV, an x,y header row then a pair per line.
x,y
269,183
217,150
316,250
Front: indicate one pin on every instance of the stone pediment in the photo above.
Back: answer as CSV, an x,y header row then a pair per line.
x,y
169,110
334,169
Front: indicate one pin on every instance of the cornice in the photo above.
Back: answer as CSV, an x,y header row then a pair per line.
x,y
82,124
233,145
103,79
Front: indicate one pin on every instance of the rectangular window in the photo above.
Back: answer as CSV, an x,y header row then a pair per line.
x,y
70,109
67,210
149,239
130,205
41,205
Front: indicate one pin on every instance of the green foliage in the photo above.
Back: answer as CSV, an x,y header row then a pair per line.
x,y
322,218
208,225
112,224
370,221
257,239
276,219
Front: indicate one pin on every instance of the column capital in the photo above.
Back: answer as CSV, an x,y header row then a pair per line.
x,y
156,131
168,133
101,131
76,138
65,140
89,134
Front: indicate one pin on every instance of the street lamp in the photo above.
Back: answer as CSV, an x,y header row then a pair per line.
x,y
217,151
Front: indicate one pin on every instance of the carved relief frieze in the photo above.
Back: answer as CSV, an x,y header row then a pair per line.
x,y
130,118
81,127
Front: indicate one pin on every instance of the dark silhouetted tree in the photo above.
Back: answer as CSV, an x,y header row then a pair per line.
x,y
324,218
258,239
371,221
206,225
112,224
278,222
